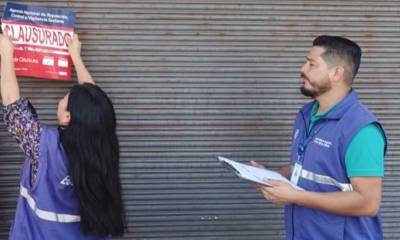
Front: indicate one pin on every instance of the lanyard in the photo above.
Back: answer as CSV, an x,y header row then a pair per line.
x,y
304,143
298,166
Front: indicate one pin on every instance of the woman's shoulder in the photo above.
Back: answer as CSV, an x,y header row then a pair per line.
x,y
50,135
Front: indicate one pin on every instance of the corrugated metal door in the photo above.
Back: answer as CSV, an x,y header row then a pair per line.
x,y
195,79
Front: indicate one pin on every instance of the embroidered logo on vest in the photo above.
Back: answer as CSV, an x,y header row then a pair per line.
x,y
67,181
322,142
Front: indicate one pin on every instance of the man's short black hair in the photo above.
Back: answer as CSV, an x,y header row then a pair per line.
x,y
343,49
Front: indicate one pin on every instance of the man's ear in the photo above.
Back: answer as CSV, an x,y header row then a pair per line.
x,y
337,74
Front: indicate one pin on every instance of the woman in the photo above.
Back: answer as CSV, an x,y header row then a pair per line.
x,y
70,187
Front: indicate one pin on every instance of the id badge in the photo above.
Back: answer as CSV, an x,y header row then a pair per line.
x,y
296,173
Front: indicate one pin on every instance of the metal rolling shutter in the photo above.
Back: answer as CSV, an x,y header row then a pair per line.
x,y
191,80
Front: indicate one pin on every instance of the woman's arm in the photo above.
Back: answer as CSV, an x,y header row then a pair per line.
x,y
22,122
74,48
19,115
9,84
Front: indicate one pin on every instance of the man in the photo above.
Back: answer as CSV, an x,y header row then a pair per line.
x,y
337,154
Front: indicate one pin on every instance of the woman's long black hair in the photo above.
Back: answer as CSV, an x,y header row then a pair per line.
x,y
92,150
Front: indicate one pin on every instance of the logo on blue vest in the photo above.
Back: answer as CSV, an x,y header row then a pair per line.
x,y
322,142
67,181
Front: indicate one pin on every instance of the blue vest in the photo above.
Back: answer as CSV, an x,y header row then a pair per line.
x,y
321,152
48,209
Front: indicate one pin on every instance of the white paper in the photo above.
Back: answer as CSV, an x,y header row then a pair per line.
x,y
254,174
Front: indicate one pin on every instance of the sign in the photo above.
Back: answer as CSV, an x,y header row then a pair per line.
x,y
39,35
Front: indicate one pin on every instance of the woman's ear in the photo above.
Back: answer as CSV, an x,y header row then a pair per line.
x,y
65,119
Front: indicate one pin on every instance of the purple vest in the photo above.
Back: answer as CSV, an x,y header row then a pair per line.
x,y
48,209
321,153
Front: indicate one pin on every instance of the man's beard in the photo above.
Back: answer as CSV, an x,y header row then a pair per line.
x,y
317,90
308,92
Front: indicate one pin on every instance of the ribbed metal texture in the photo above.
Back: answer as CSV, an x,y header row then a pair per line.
x,y
192,80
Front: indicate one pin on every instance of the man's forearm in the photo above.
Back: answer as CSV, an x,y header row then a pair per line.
x,y
9,84
343,203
